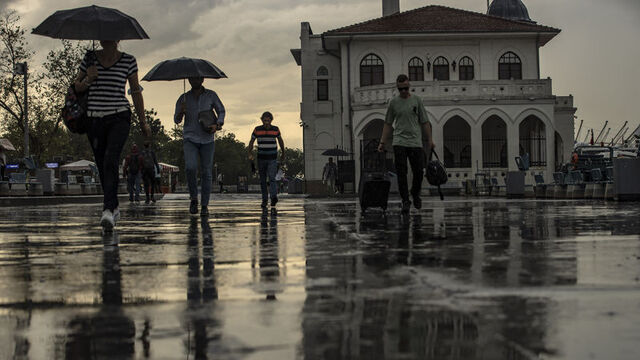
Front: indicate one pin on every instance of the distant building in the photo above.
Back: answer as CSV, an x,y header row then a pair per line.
x,y
478,75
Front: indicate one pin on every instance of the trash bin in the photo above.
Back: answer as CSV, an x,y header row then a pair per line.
x,y
515,184
296,186
47,179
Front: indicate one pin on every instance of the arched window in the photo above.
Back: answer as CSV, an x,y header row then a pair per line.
x,y
441,69
457,143
494,143
533,140
465,70
416,69
371,70
509,66
322,84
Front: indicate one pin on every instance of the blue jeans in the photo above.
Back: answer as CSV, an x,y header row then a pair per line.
x,y
268,168
133,182
193,151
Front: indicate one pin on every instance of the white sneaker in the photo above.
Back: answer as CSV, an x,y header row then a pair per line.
x,y
116,214
107,221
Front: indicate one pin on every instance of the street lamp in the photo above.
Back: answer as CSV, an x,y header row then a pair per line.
x,y
22,69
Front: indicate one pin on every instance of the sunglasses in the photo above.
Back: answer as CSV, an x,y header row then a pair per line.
x,y
403,88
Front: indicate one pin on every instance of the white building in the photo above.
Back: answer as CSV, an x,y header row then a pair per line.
x,y
478,76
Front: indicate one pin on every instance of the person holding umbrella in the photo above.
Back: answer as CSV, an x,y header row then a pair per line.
x,y
196,107
198,140
104,74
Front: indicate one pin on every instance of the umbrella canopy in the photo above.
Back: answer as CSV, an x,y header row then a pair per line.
x,y
335,152
79,165
7,145
91,23
184,68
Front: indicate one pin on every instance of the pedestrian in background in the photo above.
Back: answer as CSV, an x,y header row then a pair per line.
x,y
132,171
221,182
329,175
149,171
198,142
267,135
104,74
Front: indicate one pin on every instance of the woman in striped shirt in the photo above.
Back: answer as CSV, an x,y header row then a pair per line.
x,y
104,74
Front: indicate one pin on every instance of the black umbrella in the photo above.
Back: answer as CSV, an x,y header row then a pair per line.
x,y
91,23
184,68
335,152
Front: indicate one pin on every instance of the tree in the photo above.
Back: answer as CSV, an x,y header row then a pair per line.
x,y
230,158
46,91
14,51
294,162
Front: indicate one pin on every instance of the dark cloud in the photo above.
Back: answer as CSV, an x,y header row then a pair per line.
x,y
250,41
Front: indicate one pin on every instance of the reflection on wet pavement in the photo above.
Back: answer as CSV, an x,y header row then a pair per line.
x,y
481,279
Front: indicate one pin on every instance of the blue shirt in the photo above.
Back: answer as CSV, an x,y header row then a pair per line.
x,y
208,100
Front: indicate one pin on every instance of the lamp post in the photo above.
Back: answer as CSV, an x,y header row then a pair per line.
x,y
22,69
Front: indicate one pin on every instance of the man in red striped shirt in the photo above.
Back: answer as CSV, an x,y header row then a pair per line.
x,y
267,134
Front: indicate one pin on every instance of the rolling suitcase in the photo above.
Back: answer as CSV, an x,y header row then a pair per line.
x,y
374,190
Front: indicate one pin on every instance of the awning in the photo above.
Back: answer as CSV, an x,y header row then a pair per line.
x,y
169,168
78,166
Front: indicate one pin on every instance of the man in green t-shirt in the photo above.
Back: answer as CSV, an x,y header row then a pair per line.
x,y
407,119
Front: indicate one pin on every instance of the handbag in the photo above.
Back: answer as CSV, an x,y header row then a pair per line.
x,y
436,173
206,119
74,111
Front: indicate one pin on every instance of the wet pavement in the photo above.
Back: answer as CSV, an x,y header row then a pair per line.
x,y
461,279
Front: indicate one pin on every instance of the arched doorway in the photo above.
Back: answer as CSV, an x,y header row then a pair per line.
x,y
457,143
533,140
494,143
370,159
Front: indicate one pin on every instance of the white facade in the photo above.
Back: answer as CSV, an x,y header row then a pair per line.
x,y
526,107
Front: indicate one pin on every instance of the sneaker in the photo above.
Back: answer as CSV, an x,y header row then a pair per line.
x,y
153,199
116,214
264,204
204,211
417,202
274,201
107,221
193,208
147,201
406,206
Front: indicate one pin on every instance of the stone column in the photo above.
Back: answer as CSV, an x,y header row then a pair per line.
x,y
513,144
476,147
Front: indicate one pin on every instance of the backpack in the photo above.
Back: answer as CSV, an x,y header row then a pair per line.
x,y
134,164
436,173
149,165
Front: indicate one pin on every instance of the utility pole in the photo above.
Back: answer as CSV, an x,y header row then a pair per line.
x,y
22,69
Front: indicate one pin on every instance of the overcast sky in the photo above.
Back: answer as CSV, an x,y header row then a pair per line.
x,y
593,58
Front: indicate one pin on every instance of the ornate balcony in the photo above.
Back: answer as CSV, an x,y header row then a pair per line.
x,y
457,91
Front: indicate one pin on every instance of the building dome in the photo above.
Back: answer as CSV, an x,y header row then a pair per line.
x,y
509,9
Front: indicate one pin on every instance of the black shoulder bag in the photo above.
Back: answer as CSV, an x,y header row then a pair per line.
x,y
74,112
436,173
